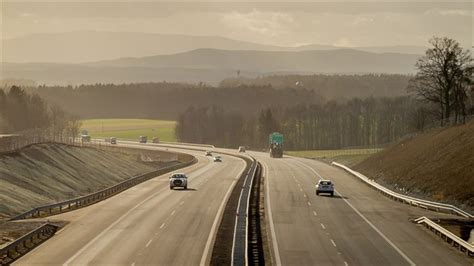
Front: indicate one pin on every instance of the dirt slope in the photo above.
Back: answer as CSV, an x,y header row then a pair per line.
x,y
438,165
48,173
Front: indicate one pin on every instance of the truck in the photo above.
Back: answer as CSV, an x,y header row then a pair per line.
x,y
275,140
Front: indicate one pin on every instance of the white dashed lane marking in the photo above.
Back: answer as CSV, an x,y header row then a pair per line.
x,y
149,242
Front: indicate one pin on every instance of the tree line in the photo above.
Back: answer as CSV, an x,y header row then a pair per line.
x,y
22,112
331,125
166,100
331,86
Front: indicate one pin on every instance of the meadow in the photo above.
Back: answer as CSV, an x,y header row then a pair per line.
x,y
130,128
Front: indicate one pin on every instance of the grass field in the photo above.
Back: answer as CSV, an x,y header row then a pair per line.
x,y
346,156
130,128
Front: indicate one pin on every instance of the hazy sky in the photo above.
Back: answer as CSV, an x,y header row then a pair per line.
x,y
343,23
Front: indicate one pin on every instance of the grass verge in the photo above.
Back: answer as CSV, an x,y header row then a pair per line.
x,y
345,156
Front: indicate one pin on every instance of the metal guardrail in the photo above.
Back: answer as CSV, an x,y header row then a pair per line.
x,y
80,202
23,245
426,204
446,235
240,239
188,144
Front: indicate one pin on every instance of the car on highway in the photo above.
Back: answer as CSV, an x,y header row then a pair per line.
x,y
143,139
113,140
217,158
178,180
242,149
325,186
208,153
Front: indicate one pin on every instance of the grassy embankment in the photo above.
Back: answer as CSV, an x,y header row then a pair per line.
x,y
130,128
348,157
438,164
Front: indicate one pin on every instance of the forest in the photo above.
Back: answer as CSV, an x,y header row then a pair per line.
x,y
331,125
165,100
332,87
22,112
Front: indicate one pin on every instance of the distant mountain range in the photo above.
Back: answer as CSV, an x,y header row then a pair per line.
x,y
87,46
213,65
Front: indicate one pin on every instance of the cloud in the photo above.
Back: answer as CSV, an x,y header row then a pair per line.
x,y
264,23
362,21
26,15
449,12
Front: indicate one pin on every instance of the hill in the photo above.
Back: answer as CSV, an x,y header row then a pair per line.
x,y
212,66
316,61
438,165
86,46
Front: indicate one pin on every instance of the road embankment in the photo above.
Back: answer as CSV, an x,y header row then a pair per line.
x,y
47,173
437,165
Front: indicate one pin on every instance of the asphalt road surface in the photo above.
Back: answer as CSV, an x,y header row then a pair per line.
x,y
147,224
358,226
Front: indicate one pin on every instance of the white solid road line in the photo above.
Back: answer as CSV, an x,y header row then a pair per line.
x,y
366,220
210,239
270,217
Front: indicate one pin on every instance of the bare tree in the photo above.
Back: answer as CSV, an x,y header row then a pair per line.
x,y
443,77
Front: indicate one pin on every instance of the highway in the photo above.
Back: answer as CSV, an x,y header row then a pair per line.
x,y
358,226
147,224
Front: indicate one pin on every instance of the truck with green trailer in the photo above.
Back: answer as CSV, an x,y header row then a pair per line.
x,y
276,145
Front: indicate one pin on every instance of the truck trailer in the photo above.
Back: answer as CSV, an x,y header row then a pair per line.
x,y
276,145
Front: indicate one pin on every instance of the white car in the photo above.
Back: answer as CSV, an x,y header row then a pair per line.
x,y
217,159
325,186
178,180
242,149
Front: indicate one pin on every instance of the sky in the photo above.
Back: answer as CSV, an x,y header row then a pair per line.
x,y
341,23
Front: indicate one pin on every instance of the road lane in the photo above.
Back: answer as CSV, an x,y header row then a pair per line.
x,y
299,216
146,223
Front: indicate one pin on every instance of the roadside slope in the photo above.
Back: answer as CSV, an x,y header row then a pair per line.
x,y
47,173
438,165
